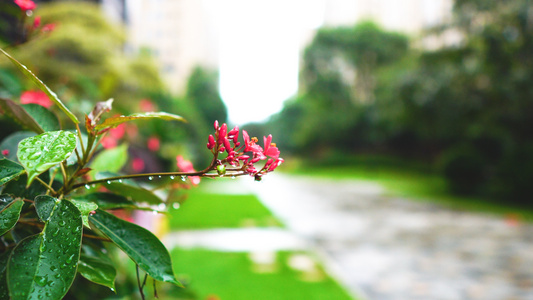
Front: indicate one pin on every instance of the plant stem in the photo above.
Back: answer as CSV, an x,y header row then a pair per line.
x,y
139,282
212,166
81,140
90,236
45,184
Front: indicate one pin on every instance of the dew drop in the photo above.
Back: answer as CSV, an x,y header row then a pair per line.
x,y
41,280
161,206
120,180
176,205
172,177
233,177
70,258
154,212
87,186
159,176
183,178
151,178
109,182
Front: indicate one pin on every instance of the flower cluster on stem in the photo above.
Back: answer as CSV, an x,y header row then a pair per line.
x,y
242,158
246,158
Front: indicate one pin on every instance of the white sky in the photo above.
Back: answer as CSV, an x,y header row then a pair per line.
x,y
260,43
259,53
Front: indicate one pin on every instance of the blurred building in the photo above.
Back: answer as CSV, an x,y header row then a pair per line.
x,y
183,33
177,33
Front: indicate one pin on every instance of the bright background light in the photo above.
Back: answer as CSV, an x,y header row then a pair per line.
x,y
260,44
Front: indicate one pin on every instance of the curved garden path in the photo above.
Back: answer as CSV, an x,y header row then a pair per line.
x,y
383,247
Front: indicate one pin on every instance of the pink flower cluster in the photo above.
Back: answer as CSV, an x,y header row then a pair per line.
x,y
243,157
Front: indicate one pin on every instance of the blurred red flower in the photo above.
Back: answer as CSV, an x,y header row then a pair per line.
x,y
186,166
49,27
25,4
146,105
36,97
137,164
153,143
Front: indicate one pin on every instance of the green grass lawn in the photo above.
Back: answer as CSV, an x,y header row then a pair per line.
x,y
407,179
204,210
210,274
231,276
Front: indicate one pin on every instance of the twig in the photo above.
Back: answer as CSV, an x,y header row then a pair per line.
x,y
139,282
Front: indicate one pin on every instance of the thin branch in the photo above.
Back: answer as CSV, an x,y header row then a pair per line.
x,y
45,184
139,282
147,175
155,289
81,141
64,172
90,236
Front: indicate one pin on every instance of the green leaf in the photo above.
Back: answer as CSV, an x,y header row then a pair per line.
x,y
39,153
98,271
44,265
111,160
107,200
11,143
10,215
41,86
44,205
115,121
46,119
9,170
130,189
20,115
144,248
85,208
4,294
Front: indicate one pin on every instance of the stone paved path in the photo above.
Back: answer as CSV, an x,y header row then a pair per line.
x,y
388,248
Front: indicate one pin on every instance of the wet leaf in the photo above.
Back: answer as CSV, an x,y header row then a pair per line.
x,y
9,170
39,153
44,205
20,115
115,121
139,244
44,265
111,160
9,216
46,119
41,86
129,188
107,200
97,270
85,208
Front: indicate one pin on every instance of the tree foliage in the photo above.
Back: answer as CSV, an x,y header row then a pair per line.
x,y
465,106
